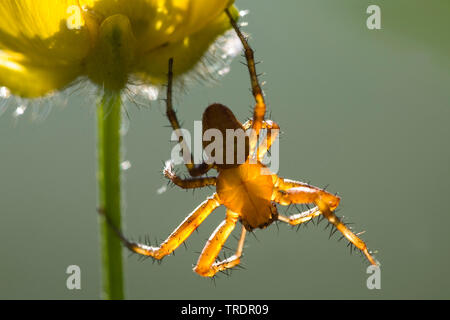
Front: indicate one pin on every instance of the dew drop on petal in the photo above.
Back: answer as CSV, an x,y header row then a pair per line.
x,y
4,92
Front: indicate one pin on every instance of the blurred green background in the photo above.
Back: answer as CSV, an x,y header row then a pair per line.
x,y
364,111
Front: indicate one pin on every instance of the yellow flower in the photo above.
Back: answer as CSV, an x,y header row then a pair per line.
x,y
47,44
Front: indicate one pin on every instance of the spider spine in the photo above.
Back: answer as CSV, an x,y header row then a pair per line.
x,y
239,267
228,248
320,219
254,235
225,272
234,236
278,228
213,280
332,231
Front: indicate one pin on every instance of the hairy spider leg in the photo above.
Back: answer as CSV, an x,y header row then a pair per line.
x,y
301,217
259,110
207,266
194,170
288,192
181,233
273,129
187,183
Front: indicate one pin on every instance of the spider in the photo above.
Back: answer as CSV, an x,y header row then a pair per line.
x,y
246,189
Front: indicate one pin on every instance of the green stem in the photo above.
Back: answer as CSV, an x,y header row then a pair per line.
x,y
108,117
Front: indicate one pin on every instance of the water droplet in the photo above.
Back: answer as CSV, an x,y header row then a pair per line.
x,y
20,110
125,165
223,71
243,13
162,189
4,93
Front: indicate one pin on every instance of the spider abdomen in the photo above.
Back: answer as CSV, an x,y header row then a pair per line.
x,y
246,191
235,142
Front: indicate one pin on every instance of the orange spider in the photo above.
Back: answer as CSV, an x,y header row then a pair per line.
x,y
247,190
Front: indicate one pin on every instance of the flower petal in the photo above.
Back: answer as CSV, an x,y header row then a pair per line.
x,y
186,52
41,45
30,80
156,22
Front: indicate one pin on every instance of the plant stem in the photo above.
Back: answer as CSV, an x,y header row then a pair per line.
x,y
108,144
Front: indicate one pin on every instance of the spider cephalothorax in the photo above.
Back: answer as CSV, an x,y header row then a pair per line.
x,y
247,188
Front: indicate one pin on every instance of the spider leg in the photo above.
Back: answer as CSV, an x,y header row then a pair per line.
x,y
259,110
273,130
297,192
206,264
181,233
188,183
285,184
301,217
171,115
